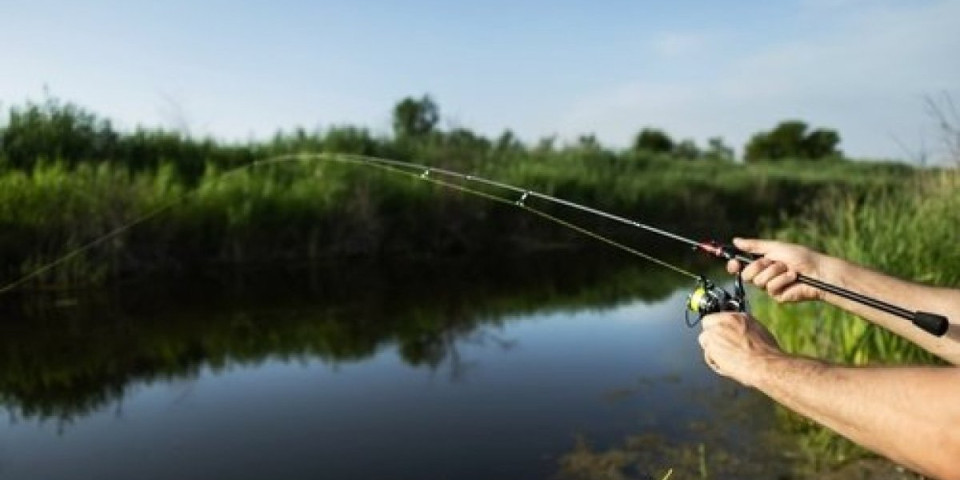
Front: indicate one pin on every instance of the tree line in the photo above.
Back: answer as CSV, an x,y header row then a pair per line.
x,y
67,177
57,130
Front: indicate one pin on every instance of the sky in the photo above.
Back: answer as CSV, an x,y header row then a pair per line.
x,y
240,70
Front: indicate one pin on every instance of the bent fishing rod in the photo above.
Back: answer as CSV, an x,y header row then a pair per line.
x,y
706,298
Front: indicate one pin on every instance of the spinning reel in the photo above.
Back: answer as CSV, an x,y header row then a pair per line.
x,y
708,298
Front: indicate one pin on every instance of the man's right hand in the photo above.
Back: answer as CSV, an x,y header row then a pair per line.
x,y
777,268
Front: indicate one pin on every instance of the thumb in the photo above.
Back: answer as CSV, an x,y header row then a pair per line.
x,y
754,245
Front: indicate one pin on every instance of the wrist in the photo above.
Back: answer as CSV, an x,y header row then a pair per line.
x,y
779,372
765,370
830,270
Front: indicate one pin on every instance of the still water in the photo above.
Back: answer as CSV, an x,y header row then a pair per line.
x,y
459,370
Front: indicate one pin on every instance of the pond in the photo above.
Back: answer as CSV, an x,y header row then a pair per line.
x,y
516,368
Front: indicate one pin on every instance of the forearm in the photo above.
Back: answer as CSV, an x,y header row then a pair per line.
x,y
911,296
909,415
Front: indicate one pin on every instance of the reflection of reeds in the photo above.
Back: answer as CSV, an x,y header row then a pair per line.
x,y
910,233
69,356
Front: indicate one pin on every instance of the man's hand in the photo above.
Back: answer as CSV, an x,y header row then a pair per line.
x,y
776,271
734,344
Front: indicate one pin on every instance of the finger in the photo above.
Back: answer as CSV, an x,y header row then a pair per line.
x,y
710,363
769,274
754,245
716,324
777,285
755,268
713,320
792,293
733,266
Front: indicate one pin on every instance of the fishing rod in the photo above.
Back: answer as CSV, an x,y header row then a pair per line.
x,y
706,298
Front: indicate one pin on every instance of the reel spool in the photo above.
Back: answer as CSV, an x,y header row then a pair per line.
x,y
708,298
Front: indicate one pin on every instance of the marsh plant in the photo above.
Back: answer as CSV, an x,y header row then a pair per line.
x,y
911,233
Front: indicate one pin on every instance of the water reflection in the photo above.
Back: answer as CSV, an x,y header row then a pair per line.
x,y
65,356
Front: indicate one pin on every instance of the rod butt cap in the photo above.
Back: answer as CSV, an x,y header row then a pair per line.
x,y
931,323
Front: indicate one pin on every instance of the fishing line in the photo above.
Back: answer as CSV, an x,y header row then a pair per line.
x,y
521,204
707,298
123,228
412,170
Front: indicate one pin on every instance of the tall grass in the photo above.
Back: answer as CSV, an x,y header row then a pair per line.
x,y
910,232
311,210
68,177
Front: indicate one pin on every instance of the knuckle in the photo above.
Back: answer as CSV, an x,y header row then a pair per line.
x,y
733,266
741,325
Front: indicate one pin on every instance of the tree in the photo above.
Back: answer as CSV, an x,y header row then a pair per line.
x,y
589,143
717,150
687,149
55,131
653,140
508,142
822,143
415,118
546,145
348,139
466,140
790,139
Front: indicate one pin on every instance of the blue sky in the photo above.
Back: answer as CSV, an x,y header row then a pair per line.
x,y
244,69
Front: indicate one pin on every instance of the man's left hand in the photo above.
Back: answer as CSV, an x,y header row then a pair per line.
x,y
734,344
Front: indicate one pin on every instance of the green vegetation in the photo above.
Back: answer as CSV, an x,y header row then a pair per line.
x,y
67,178
791,140
910,233
653,140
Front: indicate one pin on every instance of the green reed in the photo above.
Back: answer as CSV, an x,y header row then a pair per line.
x,y
910,232
311,210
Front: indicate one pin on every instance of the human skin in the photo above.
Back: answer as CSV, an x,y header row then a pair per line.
x,y
908,414
776,272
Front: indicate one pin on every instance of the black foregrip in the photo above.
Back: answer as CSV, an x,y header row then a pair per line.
x,y
726,252
931,322
743,257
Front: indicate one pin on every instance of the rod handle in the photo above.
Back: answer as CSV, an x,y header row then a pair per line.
x,y
931,323
727,252
745,258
